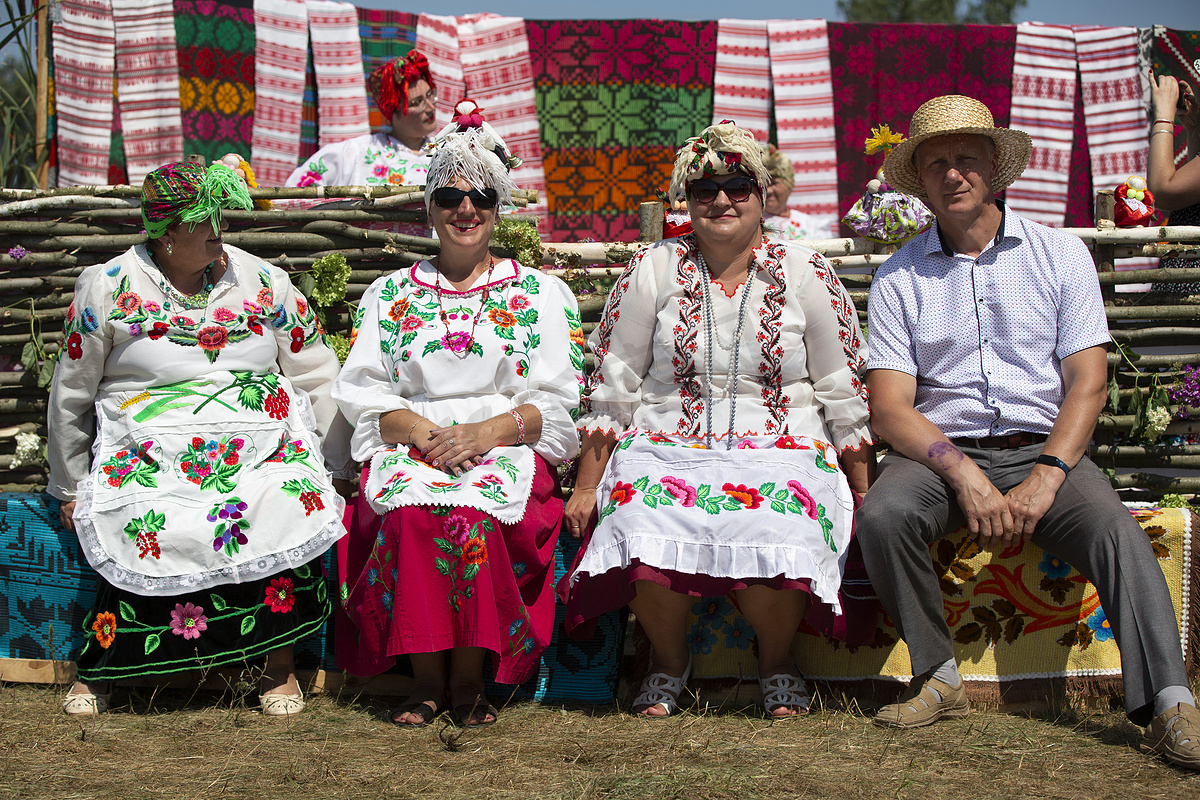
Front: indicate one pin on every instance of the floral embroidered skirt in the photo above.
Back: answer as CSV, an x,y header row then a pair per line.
x,y
776,512
130,635
423,579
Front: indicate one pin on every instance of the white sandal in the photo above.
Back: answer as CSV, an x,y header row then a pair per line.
x,y
661,689
784,691
86,704
281,705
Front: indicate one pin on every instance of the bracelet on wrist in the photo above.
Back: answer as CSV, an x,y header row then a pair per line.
x,y
411,443
1163,130
516,415
1166,121
1053,461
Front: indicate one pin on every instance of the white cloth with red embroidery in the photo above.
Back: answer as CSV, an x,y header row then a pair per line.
x,y
373,160
511,339
771,506
207,466
800,401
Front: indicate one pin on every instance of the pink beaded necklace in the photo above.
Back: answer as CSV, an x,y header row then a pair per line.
x,y
459,343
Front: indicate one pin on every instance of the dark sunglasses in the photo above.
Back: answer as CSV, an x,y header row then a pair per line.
x,y
450,197
738,190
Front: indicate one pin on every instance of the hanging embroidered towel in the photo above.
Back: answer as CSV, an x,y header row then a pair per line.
x,y
1043,103
499,77
1113,109
338,62
742,82
281,30
437,38
147,85
803,90
84,44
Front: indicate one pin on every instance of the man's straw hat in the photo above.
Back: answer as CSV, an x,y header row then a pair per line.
x,y
950,114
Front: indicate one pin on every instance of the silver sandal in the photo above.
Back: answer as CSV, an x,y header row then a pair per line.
x,y
661,689
784,691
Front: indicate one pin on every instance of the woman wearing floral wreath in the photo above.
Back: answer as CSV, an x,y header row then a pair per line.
x,y
725,428
405,94
203,379
461,386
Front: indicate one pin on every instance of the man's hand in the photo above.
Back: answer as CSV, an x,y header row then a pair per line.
x,y
1029,500
987,511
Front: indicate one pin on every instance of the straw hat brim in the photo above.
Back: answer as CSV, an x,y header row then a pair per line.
x,y
1013,148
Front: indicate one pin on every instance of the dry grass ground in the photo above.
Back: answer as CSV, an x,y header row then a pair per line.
x,y
174,744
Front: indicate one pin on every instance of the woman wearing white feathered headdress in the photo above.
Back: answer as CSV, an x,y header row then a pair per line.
x,y
460,384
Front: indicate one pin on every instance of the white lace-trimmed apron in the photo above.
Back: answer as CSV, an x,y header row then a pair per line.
x,y
774,505
206,482
499,486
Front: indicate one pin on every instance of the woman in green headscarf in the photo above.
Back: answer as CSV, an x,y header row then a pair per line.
x,y
186,422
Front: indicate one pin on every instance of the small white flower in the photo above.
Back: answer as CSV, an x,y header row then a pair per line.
x,y
1157,419
28,445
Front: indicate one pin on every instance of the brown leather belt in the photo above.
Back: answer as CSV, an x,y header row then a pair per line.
x,y
1001,442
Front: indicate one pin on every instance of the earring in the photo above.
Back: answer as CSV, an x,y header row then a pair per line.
x,y
169,248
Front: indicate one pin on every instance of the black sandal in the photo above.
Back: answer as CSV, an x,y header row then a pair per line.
x,y
421,709
463,714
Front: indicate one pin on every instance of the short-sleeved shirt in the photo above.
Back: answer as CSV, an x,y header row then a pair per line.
x,y
985,336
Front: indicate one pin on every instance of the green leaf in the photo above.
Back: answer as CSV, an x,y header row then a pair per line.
x,y
443,566
302,572
127,612
247,624
641,483
778,507
45,373
431,346
133,528
218,603
470,572
146,479
1114,395
306,283
444,546
152,642
29,356
251,397
650,500
767,488
782,494
505,333
533,341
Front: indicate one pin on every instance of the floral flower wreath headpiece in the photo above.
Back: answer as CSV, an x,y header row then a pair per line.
x,y
470,149
389,84
720,149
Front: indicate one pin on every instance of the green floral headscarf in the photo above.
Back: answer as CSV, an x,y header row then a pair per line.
x,y
188,192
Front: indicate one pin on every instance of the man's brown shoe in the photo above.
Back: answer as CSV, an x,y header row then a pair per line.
x,y
1175,734
919,705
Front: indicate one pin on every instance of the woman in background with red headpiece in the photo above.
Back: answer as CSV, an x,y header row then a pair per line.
x,y
404,92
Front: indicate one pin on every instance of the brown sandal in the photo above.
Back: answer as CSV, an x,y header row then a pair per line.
x,y
422,709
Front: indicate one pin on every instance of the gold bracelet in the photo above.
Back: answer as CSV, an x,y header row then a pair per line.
x,y
411,443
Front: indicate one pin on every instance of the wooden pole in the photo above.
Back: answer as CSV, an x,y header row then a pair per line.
x,y
1106,214
651,218
43,94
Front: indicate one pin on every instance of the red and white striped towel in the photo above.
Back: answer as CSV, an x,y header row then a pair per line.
x,y
84,44
147,84
281,30
437,38
1043,105
1113,111
338,63
803,87
742,79
488,55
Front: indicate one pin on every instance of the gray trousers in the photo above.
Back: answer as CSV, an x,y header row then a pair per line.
x,y
909,507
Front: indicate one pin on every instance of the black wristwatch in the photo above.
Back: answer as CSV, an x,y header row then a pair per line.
x,y
1054,461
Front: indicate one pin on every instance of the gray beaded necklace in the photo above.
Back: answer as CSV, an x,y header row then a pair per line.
x,y
709,331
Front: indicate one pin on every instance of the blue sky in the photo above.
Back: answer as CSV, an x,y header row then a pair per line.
x,y
1182,14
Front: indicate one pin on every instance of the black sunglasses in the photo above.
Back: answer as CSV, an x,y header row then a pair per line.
x,y
450,197
738,190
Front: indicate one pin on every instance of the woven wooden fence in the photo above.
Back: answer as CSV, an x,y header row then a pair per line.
x,y
65,230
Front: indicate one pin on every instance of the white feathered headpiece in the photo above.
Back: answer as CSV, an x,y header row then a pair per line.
x,y
470,149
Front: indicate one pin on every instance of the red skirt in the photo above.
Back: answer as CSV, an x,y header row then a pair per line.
x,y
423,579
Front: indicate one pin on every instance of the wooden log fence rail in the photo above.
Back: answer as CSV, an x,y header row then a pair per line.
x,y
63,231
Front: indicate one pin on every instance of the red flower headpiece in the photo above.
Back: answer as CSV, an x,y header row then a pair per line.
x,y
389,84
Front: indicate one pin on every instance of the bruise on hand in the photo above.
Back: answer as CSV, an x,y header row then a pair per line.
x,y
945,454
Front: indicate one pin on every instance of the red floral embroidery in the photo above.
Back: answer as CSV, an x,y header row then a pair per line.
x,y
770,366
502,318
848,331
105,627
748,496
297,339
474,551
75,346
279,595
128,302
612,313
687,336
622,493
398,309
158,330
276,405
223,315
212,338
301,306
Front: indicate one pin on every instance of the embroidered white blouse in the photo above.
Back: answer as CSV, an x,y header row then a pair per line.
x,y
513,340
206,466
373,160
798,362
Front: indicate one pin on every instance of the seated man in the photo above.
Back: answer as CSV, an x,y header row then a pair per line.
x,y
987,374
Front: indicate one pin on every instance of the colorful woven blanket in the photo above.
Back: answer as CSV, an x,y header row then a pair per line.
x,y
385,35
882,73
1017,618
84,46
338,63
616,99
216,45
281,30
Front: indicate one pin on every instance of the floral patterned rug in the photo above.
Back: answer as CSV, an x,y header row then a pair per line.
x,y
1018,618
